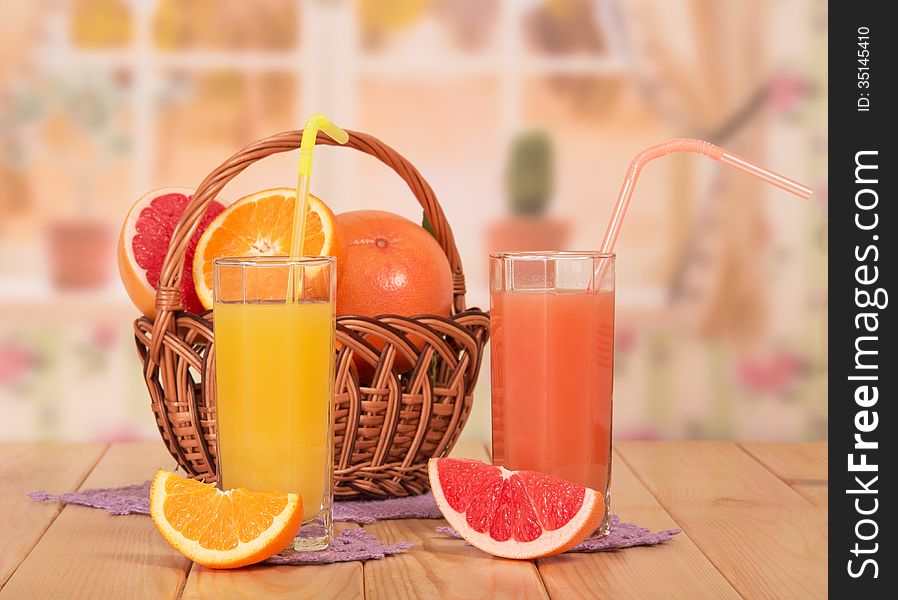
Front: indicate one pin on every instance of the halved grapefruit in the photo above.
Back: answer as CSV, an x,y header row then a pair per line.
x,y
513,514
143,243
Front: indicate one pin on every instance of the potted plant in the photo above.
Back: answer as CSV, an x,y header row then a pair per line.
x,y
79,247
529,180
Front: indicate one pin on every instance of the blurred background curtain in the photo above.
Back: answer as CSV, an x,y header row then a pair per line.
x,y
703,64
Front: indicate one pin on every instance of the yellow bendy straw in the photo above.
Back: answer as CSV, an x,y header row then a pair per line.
x,y
306,148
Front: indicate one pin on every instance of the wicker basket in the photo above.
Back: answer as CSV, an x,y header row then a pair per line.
x,y
385,429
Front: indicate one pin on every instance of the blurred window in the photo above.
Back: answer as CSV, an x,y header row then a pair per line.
x,y
270,25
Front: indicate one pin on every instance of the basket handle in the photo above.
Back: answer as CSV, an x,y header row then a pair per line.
x,y
168,295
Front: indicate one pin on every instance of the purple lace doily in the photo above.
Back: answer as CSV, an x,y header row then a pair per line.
x,y
621,535
135,499
352,544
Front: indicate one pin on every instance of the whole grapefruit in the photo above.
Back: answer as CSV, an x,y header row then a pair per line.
x,y
390,265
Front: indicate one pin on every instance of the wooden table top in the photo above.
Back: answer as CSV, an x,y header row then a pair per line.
x,y
753,517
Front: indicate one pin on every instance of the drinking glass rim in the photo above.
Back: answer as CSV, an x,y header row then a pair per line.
x,y
269,260
543,254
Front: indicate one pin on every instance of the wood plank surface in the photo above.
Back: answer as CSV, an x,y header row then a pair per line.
x,y
815,493
754,518
340,580
674,569
343,581
792,462
766,539
27,468
441,567
89,554
804,466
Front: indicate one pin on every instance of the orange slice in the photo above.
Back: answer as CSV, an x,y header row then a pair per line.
x,y
261,224
222,530
513,514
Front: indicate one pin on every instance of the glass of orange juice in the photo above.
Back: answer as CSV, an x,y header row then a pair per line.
x,y
552,342
274,373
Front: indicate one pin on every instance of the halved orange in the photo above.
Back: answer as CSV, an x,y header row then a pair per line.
x,y
223,530
261,224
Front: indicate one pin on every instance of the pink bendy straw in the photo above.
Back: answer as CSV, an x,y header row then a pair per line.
x,y
696,147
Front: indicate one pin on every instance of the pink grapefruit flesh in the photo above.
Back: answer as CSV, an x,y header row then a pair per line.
x,y
513,514
144,241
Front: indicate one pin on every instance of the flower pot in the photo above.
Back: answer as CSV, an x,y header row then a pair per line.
x,y
79,254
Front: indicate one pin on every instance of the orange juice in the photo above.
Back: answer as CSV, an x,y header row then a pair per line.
x,y
274,378
552,363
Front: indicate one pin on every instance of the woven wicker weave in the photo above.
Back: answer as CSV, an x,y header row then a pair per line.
x,y
386,428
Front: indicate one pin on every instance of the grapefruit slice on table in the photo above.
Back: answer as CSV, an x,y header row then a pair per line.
x,y
143,243
513,514
261,224
222,530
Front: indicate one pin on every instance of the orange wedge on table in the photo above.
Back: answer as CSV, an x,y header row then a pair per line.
x,y
261,224
223,530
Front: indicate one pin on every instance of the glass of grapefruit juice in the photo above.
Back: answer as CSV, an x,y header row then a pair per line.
x,y
274,365
552,343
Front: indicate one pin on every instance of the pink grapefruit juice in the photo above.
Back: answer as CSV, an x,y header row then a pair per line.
x,y
552,365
